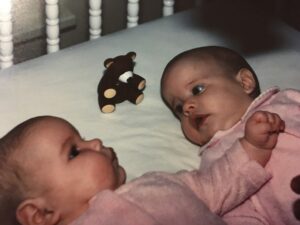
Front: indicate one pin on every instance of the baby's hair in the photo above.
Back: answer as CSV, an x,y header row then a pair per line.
x,y
12,184
226,58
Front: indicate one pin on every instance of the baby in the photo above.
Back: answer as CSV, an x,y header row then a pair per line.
x,y
50,175
213,91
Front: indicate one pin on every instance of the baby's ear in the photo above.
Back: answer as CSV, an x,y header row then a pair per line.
x,y
246,79
35,212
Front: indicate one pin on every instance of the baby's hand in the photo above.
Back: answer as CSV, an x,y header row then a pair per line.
x,y
261,134
262,129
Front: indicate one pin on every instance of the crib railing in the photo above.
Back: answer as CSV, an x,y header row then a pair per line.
x,y
6,43
52,24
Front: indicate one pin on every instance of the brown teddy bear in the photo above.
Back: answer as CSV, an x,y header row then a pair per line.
x,y
119,83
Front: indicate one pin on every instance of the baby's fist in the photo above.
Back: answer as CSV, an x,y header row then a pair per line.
x,y
262,129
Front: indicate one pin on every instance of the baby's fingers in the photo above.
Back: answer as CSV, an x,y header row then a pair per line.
x,y
268,122
262,117
276,123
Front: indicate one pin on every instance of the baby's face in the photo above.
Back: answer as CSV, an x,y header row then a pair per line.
x,y
68,169
204,99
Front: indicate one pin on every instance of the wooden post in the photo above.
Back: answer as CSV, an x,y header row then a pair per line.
x,y
95,20
6,43
168,8
132,13
52,27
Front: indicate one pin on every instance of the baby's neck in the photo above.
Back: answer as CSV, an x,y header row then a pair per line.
x,y
69,218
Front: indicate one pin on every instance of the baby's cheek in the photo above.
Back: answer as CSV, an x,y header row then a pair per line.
x,y
99,170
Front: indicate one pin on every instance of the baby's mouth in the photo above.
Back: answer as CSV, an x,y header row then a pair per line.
x,y
199,120
113,155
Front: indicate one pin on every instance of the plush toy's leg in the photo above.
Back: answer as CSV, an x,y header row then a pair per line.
x,y
110,93
137,81
139,99
108,108
142,85
106,105
295,185
135,96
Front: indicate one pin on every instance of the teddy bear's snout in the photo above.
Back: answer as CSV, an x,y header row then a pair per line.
x,y
125,76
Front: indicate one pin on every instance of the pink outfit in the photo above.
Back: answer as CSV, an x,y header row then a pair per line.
x,y
179,199
272,204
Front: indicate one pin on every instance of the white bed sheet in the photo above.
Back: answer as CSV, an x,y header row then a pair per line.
x,y
147,136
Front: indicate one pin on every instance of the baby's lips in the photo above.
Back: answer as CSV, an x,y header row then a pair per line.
x,y
199,119
112,153
114,157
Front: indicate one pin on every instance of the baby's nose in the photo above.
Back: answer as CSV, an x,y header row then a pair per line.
x,y
96,144
188,108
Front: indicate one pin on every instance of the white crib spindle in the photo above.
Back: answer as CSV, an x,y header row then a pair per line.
x,y
95,18
168,8
132,13
52,28
6,43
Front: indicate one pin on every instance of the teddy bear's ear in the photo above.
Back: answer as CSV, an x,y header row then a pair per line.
x,y
132,55
108,62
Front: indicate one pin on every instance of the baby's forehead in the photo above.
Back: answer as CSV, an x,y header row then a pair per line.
x,y
185,65
193,63
51,125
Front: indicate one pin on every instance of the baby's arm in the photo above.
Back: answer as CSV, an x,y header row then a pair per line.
x,y
239,173
261,134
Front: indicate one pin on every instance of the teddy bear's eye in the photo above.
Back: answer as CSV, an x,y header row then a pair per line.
x,y
198,89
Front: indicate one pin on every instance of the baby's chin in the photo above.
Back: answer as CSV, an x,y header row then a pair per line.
x,y
199,139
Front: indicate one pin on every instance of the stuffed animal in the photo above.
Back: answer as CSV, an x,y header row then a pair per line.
x,y
119,83
295,185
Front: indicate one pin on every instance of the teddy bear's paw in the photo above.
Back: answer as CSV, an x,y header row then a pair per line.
x,y
142,85
110,93
108,108
139,99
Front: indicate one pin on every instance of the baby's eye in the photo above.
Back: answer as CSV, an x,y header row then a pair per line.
x,y
73,152
198,89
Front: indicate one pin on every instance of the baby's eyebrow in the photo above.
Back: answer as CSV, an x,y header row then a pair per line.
x,y
74,129
191,82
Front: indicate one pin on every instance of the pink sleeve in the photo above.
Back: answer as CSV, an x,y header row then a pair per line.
x,y
228,182
153,199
